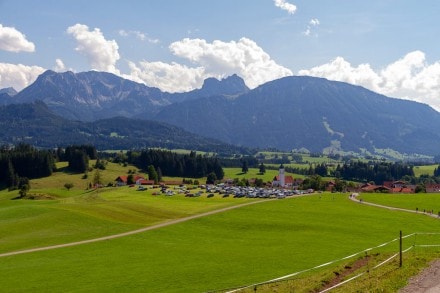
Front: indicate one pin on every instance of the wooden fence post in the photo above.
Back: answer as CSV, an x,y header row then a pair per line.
x,y
400,249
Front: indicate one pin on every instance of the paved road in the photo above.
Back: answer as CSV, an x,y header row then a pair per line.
x,y
172,222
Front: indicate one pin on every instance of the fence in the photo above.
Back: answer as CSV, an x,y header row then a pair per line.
x,y
420,240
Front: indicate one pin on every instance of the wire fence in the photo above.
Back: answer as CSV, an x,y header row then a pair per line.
x,y
402,244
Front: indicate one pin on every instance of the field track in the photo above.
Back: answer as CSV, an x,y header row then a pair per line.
x,y
353,198
128,233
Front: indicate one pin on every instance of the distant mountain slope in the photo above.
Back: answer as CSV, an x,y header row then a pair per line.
x,y
93,95
6,95
10,91
288,113
314,113
35,124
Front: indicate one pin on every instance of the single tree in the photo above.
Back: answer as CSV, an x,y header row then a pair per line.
x,y
262,168
23,190
130,179
159,174
97,178
68,186
152,174
244,167
211,178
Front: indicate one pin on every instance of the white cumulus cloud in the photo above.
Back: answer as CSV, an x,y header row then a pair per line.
x,y
18,76
217,59
314,22
283,4
172,77
101,53
59,65
13,40
220,59
410,77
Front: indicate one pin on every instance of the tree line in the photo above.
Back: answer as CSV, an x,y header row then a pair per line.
x,y
377,172
190,165
24,162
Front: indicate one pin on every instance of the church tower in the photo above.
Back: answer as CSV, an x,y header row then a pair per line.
x,y
281,176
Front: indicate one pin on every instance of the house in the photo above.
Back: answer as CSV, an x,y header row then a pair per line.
x,y
330,185
374,188
137,179
399,187
394,184
431,188
121,181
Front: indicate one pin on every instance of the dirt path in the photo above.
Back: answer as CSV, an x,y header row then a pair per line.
x,y
353,198
172,222
428,281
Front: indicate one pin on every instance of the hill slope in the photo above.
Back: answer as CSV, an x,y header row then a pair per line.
x,y
314,113
35,124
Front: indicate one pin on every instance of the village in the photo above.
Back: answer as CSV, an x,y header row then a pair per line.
x,y
281,186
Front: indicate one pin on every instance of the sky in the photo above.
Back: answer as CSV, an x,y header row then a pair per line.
x,y
389,46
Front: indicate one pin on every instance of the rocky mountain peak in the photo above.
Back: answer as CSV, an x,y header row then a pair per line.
x,y
231,85
9,91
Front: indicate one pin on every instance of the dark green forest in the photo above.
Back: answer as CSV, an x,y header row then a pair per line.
x,y
191,165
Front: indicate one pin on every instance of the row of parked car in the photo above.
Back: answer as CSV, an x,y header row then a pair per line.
x,y
229,191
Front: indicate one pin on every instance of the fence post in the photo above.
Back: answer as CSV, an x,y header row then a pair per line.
x,y
400,249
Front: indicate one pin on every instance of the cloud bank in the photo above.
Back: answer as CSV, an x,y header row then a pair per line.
x,y
217,59
18,76
101,53
14,41
410,77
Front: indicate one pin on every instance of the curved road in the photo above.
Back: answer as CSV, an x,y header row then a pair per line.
x,y
157,226
353,198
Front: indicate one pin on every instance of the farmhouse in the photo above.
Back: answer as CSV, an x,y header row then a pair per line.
x,y
400,186
137,179
430,188
374,188
390,187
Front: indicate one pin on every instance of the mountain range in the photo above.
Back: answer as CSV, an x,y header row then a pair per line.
x,y
289,113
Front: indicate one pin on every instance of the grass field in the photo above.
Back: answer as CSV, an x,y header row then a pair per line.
x,y
230,249
247,245
424,170
419,201
232,173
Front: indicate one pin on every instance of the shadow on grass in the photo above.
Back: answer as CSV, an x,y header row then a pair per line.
x,y
67,171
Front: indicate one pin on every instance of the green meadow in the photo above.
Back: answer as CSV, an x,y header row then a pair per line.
x,y
417,201
246,245
232,173
238,247
424,170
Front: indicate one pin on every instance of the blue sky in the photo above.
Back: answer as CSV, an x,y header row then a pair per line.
x,y
388,46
